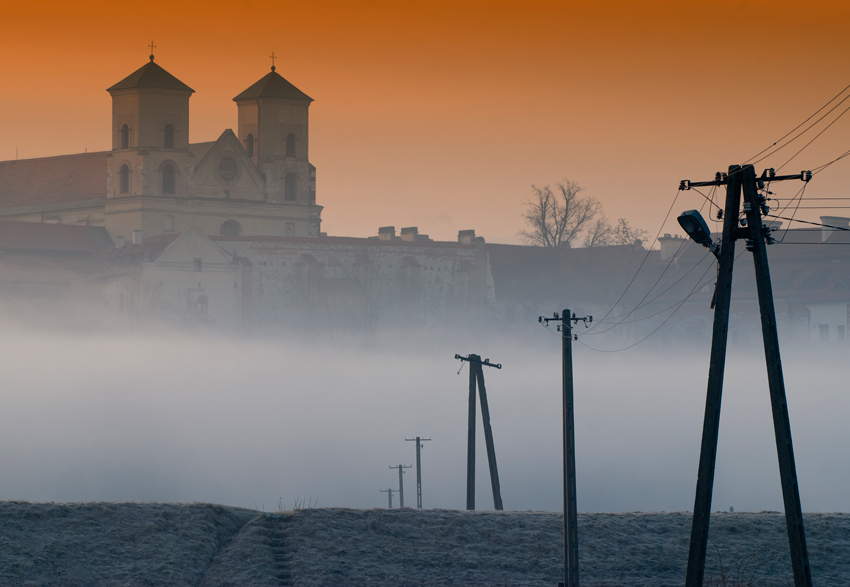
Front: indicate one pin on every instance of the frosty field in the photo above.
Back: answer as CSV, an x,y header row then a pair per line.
x,y
113,544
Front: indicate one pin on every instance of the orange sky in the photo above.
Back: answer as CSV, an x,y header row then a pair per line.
x,y
442,114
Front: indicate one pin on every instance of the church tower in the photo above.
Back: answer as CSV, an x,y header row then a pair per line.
x,y
150,135
274,129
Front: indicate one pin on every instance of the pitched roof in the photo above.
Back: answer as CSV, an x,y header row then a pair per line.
x,y
66,238
200,150
67,178
273,85
150,75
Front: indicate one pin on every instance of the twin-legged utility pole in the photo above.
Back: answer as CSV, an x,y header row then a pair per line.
x,y
757,236
570,504
401,482
419,440
389,493
476,378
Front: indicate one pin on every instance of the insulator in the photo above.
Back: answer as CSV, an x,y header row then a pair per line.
x,y
720,214
751,245
748,207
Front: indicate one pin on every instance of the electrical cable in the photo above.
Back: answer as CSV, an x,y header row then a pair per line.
x,y
697,287
799,125
814,138
648,251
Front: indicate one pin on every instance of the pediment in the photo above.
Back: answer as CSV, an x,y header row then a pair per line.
x,y
192,245
224,170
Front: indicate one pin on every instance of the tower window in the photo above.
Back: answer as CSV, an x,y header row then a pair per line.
x,y
168,141
249,145
290,145
124,188
125,137
227,168
289,185
168,179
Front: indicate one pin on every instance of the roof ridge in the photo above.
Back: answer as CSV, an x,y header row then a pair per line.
x,y
53,156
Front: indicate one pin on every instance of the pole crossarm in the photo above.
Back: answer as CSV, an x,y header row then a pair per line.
x,y
564,326
485,362
723,178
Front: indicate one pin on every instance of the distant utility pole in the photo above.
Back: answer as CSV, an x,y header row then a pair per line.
x,y
570,505
389,493
419,445
401,482
476,375
756,235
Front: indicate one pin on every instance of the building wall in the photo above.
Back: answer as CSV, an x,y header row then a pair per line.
x,y
828,322
354,283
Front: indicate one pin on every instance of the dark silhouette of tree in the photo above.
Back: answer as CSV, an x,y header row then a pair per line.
x,y
556,217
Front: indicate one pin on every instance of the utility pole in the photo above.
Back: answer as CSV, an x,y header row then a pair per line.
x,y
756,236
476,378
419,445
401,482
570,505
389,493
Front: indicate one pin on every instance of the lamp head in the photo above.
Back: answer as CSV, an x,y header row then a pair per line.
x,y
694,224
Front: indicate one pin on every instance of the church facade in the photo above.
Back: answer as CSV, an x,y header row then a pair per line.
x,y
255,182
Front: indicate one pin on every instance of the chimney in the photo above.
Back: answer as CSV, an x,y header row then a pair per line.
x,y
137,237
119,242
386,233
409,233
837,221
669,246
466,237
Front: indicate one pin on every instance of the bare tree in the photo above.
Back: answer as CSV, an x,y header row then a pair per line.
x,y
625,234
556,217
599,234
602,234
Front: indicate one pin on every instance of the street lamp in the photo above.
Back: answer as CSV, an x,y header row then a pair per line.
x,y
694,224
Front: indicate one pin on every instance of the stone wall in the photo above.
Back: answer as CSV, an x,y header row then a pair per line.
x,y
354,283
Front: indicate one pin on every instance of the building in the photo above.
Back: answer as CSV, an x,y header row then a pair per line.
x,y
257,181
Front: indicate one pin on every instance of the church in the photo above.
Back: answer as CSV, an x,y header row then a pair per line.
x,y
255,182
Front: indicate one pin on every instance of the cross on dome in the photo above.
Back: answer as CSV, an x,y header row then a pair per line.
x,y
152,46
272,57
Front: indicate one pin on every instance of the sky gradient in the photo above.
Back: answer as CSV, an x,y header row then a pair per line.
x,y
442,114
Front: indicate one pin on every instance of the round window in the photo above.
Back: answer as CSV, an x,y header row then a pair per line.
x,y
227,168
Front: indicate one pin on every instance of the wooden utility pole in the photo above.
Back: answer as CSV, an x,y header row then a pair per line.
x,y
756,236
569,444
476,378
389,493
401,482
419,445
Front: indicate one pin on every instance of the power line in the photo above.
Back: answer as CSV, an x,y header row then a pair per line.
x,y
645,257
816,136
799,125
640,304
699,286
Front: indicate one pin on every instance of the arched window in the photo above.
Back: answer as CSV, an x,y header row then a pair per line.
x,y
290,145
230,228
124,188
125,137
250,145
289,186
168,141
168,179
